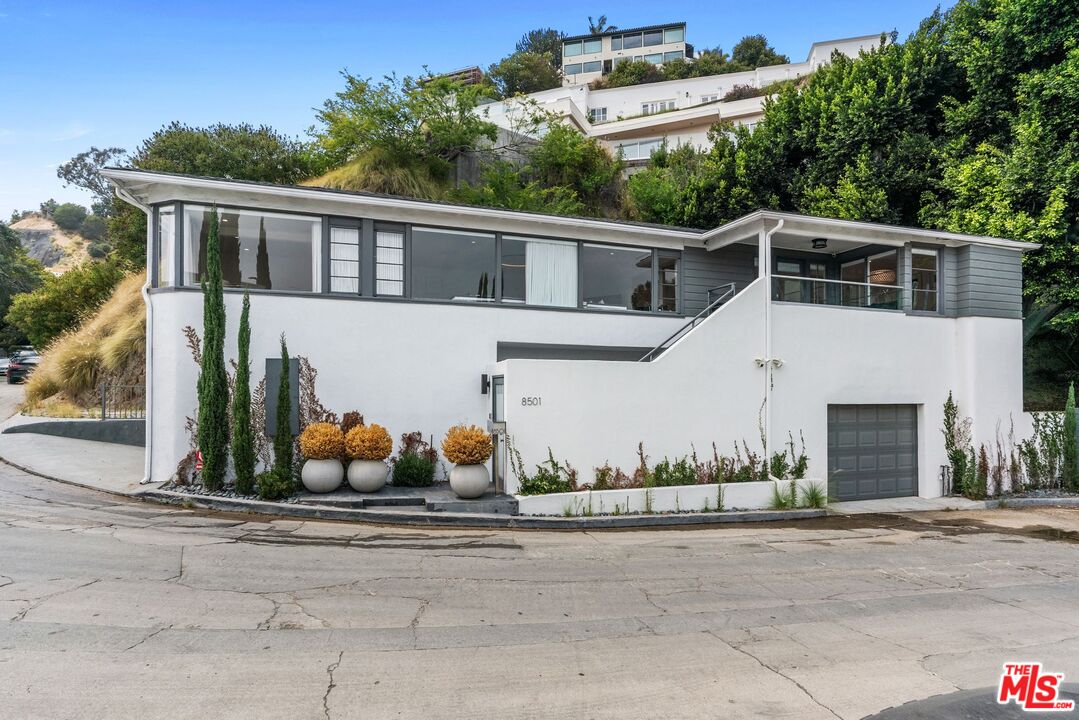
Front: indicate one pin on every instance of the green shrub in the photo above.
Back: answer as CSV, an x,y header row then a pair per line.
x,y
779,465
813,496
550,476
98,250
275,484
666,474
413,470
94,228
62,303
69,216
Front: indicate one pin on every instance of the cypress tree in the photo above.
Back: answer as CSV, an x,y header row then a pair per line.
x,y
243,444
1071,449
282,440
213,386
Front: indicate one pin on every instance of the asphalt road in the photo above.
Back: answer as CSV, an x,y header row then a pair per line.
x,y
114,609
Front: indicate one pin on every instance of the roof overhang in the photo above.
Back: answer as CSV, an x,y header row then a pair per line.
x,y
809,227
150,188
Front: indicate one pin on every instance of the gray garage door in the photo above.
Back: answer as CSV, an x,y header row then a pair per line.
x,y
872,451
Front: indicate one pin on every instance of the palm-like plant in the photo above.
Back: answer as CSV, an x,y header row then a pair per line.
x,y
599,25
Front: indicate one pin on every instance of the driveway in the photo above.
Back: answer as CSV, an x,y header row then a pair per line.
x,y
112,608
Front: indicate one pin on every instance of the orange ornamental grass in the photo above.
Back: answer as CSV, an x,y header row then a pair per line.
x,y
322,441
368,442
466,445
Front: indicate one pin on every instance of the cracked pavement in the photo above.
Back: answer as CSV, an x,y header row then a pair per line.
x,y
114,608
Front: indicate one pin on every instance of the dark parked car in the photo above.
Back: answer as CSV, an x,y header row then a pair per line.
x,y
20,365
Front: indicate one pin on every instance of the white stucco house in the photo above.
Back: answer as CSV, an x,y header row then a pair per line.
x,y
637,119
587,336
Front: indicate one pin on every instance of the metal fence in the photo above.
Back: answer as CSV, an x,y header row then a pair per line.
x,y
122,402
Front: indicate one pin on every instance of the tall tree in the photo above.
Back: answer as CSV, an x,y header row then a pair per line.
x,y
753,51
84,171
18,274
543,41
213,389
523,73
599,25
243,443
282,440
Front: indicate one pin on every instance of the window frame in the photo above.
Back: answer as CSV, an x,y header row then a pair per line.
x,y
681,30
368,260
938,276
578,44
320,260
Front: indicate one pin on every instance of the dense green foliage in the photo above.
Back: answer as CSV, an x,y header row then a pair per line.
x,y
970,125
273,485
94,227
84,170
69,216
413,470
59,303
282,439
565,173
18,274
423,125
524,72
243,440
240,152
543,40
213,384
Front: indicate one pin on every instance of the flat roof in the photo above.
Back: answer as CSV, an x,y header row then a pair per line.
x,y
137,185
621,31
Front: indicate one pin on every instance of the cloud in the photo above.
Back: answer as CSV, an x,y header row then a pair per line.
x,y
73,132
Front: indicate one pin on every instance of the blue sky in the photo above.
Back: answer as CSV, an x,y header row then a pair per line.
x,y
106,73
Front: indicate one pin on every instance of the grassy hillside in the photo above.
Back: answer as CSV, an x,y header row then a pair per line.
x,y
57,249
110,346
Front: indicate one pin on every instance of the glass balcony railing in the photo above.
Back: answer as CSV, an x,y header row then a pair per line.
x,y
837,293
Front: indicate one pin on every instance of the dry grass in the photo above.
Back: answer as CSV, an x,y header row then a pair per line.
x,y
108,347
375,171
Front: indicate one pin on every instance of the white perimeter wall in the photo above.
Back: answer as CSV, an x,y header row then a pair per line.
x,y
704,389
408,366
708,386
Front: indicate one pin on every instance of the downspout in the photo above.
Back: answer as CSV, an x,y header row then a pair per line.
x,y
769,361
129,198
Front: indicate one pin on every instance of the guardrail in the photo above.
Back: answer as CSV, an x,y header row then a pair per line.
x,y
838,293
122,402
721,293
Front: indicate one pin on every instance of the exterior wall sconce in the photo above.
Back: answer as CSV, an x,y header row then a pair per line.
x,y
820,243
485,384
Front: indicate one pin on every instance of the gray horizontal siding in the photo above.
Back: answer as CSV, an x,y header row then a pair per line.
x,y
988,282
703,270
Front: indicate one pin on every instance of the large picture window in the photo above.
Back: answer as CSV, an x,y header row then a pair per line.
x,y
452,265
617,278
539,272
259,250
166,246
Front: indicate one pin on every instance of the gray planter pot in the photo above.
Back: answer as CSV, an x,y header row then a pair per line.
x,y
367,476
470,481
322,476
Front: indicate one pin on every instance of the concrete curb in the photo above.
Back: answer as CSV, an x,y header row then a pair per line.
x,y
1031,502
474,520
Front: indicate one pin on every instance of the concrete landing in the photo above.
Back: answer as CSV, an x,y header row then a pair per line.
x,y
97,465
904,504
436,498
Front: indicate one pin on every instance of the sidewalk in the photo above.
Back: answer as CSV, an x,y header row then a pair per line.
x,y
96,465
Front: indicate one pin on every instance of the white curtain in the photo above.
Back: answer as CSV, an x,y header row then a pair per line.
x,y
551,273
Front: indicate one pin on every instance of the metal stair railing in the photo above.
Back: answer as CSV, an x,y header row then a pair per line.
x,y
728,291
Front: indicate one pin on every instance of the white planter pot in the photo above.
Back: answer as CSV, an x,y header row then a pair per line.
x,y
322,476
367,476
470,481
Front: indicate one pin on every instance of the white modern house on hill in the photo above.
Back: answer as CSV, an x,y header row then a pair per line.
x,y
588,336
637,119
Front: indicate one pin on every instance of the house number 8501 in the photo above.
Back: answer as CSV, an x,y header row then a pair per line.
x,y
531,401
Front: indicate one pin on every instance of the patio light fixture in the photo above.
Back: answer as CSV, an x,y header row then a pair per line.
x,y
820,243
